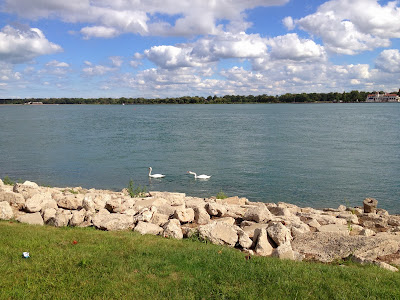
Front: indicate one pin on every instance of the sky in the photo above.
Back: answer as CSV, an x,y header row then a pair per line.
x,y
171,48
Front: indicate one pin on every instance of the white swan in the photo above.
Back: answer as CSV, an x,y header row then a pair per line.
x,y
200,176
155,175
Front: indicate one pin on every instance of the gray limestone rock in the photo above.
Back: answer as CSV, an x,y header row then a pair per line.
x,y
215,209
259,214
279,233
370,205
244,240
335,228
112,222
148,228
327,246
6,212
284,251
78,217
173,229
219,233
71,202
26,189
184,215
263,243
32,219
201,215
14,199
159,219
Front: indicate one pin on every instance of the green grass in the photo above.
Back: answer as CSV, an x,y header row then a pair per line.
x,y
116,265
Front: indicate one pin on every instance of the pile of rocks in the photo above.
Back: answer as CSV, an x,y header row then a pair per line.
x,y
368,234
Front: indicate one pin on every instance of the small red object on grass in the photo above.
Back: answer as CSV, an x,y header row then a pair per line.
x,y
75,242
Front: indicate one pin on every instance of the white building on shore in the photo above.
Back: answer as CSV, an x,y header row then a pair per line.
x,y
382,98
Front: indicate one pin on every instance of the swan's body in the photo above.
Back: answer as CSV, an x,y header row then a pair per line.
x,y
199,176
155,175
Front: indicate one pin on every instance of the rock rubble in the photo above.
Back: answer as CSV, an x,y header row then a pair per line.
x,y
366,235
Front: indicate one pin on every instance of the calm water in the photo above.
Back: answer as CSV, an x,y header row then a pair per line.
x,y
319,155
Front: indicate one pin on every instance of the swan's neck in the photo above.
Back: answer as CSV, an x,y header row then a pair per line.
x,y
149,172
195,175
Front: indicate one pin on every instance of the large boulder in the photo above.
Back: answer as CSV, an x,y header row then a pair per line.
x,y
264,246
128,204
174,199
235,211
201,215
49,214
284,251
32,219
159,219
349,217
61,218
88,203
259,214
184,215
148,228
373,221
321,218
26,189
39,202
78,217
335,228
327,246
6,212
215,209
219,233
71,202
112,222
279,233
114,205
152,201
251,229
100,200
280,211
173,229
145,214
298,227
14,199
244,240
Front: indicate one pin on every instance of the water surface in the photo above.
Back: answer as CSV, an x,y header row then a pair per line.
x,y
319,155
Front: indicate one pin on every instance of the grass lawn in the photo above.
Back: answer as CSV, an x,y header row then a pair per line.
x,y
116,265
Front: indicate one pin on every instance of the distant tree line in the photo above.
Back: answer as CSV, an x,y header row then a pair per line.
x,y
353,96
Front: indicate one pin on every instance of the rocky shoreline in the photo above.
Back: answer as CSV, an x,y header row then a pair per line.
x,y
364,234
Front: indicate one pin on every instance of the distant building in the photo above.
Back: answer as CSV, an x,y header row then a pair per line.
x,y
382,98
34,103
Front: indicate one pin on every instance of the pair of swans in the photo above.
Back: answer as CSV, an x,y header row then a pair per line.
x,y
203,176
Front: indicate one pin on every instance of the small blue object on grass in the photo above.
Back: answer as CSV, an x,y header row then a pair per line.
x,y
25,254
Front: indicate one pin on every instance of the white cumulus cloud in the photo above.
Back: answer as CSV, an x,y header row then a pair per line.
x,y
389,61
19,45
291,47
351,27
110,18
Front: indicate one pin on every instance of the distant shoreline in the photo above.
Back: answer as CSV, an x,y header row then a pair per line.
x,y
332,97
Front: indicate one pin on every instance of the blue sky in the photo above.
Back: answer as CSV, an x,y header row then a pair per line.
x,y
169,48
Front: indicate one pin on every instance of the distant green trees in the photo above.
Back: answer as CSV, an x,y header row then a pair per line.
x,y
353,96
